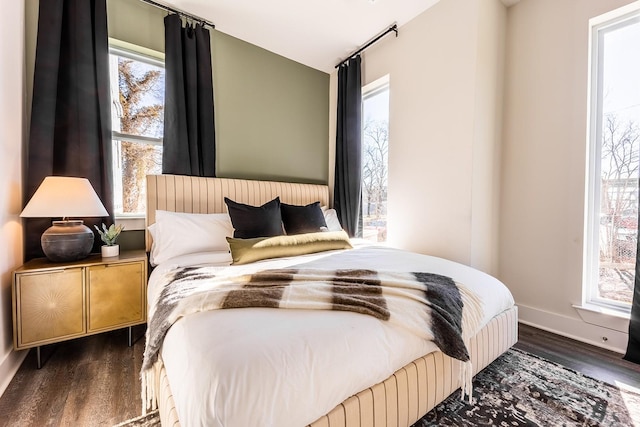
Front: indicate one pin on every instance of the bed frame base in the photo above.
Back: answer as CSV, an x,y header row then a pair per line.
x,y
405,396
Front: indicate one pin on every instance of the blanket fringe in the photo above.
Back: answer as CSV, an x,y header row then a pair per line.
x,y
148,389
466,379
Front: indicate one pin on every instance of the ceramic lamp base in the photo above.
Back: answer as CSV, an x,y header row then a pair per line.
x,y
67,241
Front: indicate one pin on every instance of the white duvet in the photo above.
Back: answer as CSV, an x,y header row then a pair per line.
x,y
276,367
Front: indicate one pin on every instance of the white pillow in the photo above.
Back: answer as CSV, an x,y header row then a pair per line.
x,y
178,233
331,218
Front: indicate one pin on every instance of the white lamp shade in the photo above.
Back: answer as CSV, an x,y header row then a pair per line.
x,y
61,196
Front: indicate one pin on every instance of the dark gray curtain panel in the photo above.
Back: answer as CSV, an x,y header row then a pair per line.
x,y
348,170
70,132
633,346
189,146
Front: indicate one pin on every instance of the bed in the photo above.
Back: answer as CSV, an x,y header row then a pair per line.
x,y
390,387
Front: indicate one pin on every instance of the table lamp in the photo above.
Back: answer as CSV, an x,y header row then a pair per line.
x,y
61,196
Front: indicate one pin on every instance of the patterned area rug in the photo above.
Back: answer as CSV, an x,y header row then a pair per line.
x,y
520,389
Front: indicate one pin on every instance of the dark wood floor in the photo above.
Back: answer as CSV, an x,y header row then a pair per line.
x,y
93,381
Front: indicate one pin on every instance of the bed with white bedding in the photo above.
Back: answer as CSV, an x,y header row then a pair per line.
x,y
294,367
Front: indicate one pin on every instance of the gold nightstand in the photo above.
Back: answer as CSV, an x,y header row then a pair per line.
x,y
54,302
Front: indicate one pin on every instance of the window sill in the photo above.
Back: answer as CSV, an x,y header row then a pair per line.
x,y
605,317
131,223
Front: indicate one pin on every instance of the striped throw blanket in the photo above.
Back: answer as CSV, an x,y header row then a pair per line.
x,y
430,305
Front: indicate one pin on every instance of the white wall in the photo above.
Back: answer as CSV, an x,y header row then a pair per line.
x,y
544,157
445,73
11,134
487,145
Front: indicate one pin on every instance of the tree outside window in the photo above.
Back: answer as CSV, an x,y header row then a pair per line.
x,y
618,208
375,163
137,120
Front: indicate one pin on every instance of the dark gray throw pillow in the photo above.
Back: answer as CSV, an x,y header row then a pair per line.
x,y
250,222
303,219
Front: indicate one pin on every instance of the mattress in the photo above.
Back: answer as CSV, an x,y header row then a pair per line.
x,y
257,366
405,396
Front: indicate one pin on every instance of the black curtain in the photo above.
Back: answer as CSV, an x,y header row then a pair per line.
x,y
70,133
633,346
348,172
189,145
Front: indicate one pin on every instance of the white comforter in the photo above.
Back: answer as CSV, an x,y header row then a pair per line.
x,y
268,367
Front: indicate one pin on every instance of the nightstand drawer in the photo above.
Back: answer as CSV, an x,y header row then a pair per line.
x,y
116,295
50,306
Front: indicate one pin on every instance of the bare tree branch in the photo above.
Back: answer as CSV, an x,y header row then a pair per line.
x,y
620,163
375,169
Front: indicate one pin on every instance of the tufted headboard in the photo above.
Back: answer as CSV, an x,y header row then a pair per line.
x,y
194,194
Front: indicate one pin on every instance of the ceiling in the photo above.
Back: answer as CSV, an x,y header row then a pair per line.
x,y
316,33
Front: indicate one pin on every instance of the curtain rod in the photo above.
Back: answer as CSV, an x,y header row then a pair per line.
x,y
393,28
179,12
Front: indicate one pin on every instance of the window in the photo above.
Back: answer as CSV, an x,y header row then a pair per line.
x,y
137,113
375,159
614,162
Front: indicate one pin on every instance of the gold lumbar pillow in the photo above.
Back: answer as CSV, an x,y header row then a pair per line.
x,y
244,251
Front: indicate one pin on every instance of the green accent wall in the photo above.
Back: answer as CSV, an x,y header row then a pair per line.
x,y
137,23
272,113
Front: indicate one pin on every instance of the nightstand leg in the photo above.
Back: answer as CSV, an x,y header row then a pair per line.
x,y
130,338
38,362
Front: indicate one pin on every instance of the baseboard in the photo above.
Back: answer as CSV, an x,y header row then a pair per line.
x,y
9,367
574,328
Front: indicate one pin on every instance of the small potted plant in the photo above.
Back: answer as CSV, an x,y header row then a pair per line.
x,y
109,237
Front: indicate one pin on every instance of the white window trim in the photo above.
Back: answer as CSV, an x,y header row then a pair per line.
x,y
138,139
138,53
375,86
131,223
609,318
594,309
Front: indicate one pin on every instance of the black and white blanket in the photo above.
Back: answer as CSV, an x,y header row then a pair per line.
x,y
430,305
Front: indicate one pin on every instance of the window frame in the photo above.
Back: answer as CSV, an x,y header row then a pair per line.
x,y
135,221
598,27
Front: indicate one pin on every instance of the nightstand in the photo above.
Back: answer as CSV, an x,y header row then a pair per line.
x,y
54,302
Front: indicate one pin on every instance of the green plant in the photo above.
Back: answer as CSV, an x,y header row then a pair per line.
x,y
109,235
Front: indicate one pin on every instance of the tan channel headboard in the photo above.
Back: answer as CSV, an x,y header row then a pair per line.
x,y
192,194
